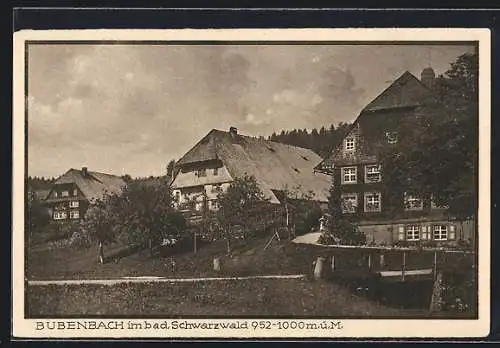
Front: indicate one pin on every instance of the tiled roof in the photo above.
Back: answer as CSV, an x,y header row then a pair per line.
x,y
275,166
93,185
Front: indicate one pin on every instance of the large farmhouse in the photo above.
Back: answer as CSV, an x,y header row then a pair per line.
x,y
354,166
75,190
220,157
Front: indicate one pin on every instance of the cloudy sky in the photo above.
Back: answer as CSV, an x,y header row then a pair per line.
x,y
129,109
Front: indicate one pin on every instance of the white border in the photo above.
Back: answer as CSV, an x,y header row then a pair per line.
x,y
394,328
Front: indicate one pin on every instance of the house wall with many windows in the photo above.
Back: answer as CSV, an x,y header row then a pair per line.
x,y
193,183
357,171
66,203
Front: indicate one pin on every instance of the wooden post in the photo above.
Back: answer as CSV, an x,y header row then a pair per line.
x,y
382,261
436,300
435,265
333,263
101,253
217,264
404,267
318,268
194,241
369,262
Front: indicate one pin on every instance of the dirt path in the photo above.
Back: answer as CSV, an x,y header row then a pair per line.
x,y
153,280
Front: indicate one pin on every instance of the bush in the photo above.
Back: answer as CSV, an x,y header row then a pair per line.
x,y
401,244
57,231
80,239
308,222
349,233
464,244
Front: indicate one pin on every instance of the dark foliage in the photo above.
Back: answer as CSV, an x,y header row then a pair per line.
x,y
320,141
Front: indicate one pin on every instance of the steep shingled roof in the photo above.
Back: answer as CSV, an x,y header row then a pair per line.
x,y
275,166
93,185
407,91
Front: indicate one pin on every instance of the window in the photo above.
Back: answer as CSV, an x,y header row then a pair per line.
x,y
392,137
412,232
216,188
413,202
60,215
74,214
372,173
201,172
55,193
372,202
349,175
65,193
214,205
198,206
440,232
349,144
74,204
177,196
434,205
349,202
216,171
75,192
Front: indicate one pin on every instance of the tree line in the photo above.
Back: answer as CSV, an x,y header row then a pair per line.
x,y
320,141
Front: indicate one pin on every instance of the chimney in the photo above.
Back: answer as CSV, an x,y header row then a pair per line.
x,y
427,77
233,131
84,171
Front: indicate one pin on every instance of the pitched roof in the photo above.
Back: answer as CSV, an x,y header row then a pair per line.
x,y
275,166
407,91
93,185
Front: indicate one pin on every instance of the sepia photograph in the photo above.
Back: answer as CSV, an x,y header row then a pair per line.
x,y
245,183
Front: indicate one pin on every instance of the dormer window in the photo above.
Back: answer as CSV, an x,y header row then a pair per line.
x,y
413,202
349,144
392,137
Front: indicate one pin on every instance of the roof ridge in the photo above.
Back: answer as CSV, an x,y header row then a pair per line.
x,y
256,138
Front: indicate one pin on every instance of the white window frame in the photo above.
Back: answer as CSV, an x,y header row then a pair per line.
x,y
350,144
413,232
215,188
55,194
352,197
437,232
74,214
368,168
367,195
74,204
60,215
65,193
75,192
201,173
392,137
350,175
409,198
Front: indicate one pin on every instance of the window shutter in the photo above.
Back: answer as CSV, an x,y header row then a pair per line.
x,y
424,232
451,233
401,232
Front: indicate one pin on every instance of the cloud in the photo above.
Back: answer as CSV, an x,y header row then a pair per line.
x,y
132,108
